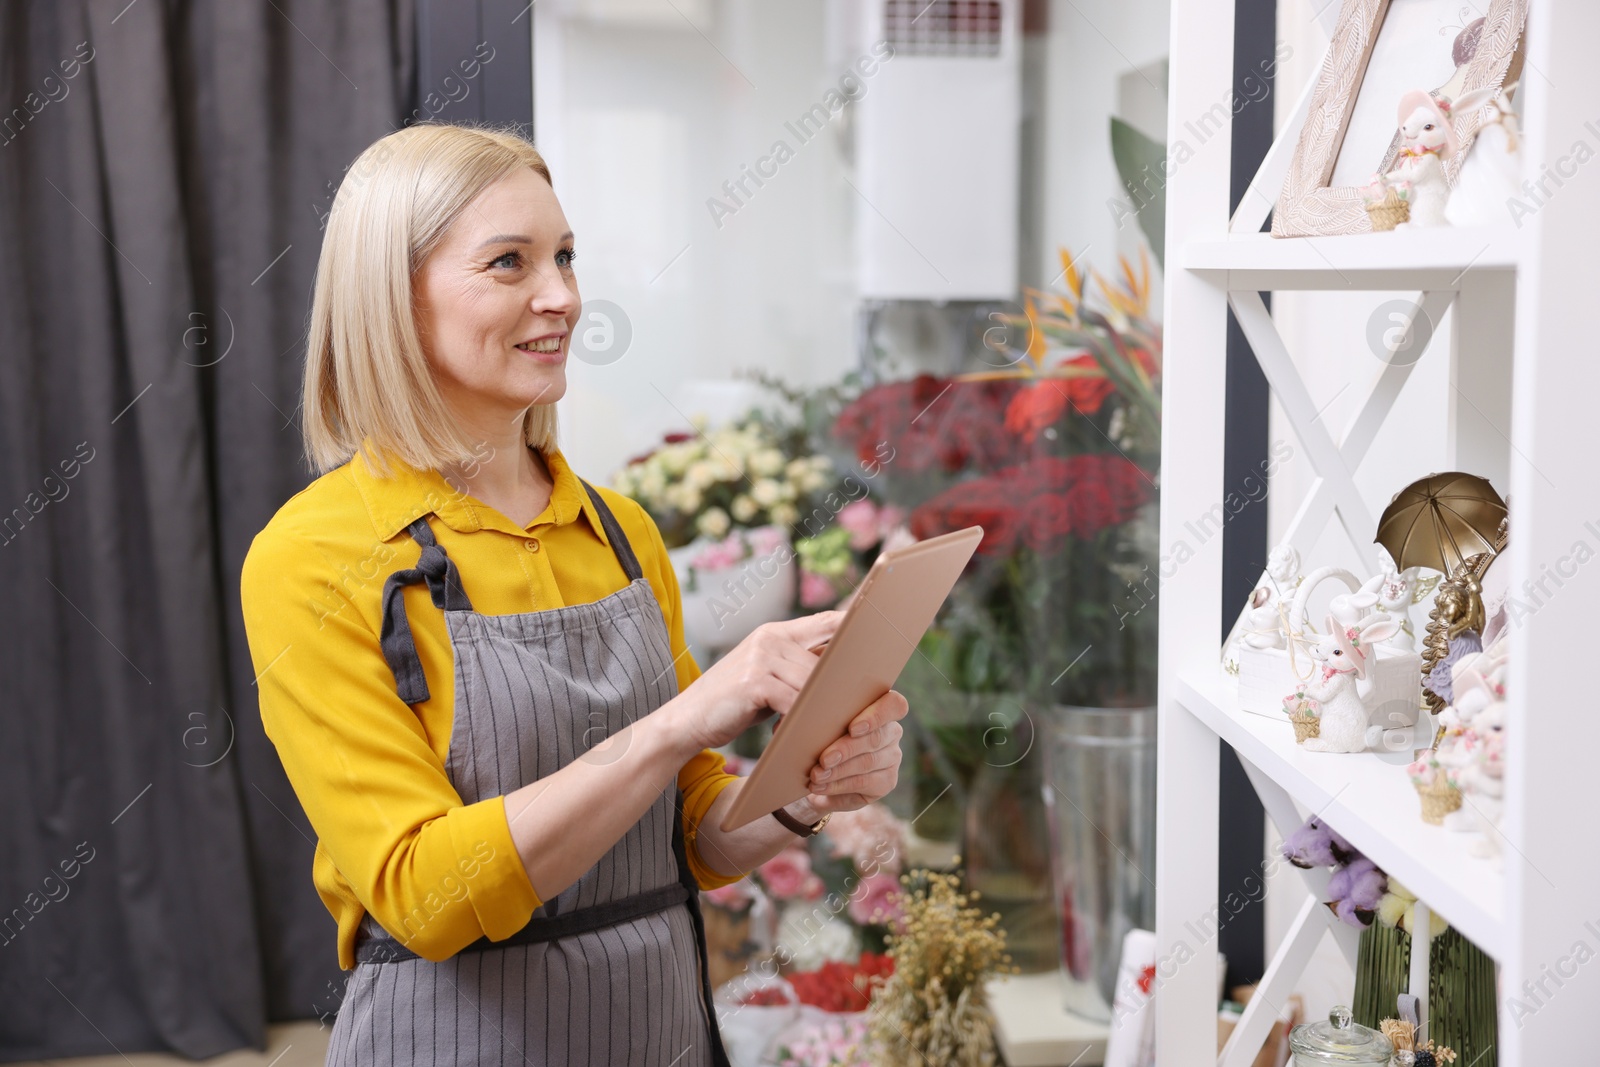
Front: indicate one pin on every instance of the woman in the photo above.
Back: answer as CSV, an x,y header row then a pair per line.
x,y
471,661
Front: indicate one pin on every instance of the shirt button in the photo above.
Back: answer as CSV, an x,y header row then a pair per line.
x,y
531,544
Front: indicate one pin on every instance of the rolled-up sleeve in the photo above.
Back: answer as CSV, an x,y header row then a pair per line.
x,y
437,873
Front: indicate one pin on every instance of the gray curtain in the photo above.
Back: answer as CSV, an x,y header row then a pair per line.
x,y
164,170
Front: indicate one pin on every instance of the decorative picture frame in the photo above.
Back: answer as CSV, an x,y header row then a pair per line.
x,y
1308,205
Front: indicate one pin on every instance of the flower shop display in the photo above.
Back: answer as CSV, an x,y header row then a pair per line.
x,y
727,500
933,1008
1459,976
729,586
815,921
1055,455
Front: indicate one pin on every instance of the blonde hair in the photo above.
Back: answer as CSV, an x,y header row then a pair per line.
x,y
367,378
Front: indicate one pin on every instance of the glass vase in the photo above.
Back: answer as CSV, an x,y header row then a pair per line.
x,y
1100,795
1005,848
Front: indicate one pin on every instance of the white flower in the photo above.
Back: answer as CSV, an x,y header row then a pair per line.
x,y
813,481
812,937
766,461
744,509
767,492
700,474
784,514
652,482
713,522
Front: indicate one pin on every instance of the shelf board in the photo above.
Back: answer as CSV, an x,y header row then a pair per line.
x,y
1406,259
1367,798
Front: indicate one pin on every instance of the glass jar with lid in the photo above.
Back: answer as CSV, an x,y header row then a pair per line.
x,y
1340,1040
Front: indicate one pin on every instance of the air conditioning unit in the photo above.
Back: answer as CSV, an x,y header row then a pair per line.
x,y
937,150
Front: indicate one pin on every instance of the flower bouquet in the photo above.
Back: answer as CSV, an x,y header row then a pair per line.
x,y
1055,456
725,500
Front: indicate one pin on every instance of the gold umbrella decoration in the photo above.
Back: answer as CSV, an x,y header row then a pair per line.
x,y
1441,521
1454,523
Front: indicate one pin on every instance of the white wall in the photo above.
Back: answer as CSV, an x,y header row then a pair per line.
x,y
642,124
1091,48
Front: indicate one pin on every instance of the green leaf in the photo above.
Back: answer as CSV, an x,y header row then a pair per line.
x,y
1141,163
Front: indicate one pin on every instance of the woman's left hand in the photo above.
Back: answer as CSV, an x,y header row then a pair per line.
x,y
864,765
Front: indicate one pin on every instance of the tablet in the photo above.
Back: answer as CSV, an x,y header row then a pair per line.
x,y
893,607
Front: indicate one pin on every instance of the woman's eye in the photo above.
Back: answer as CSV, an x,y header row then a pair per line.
x,y
565,257
514,257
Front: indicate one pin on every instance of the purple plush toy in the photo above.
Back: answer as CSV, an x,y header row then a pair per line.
x,y
1316,845
1356,890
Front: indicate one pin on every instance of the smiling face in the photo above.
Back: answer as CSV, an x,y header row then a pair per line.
x,y
496,302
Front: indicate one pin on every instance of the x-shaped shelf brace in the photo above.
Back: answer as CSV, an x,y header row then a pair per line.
x,y
1334,489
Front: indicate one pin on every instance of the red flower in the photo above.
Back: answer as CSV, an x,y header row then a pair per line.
x,y
1049,520
1087,392
1034,408
841,987
1092,508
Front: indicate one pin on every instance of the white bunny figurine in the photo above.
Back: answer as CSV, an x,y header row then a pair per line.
x,y
1489,183
1430,138
1344,655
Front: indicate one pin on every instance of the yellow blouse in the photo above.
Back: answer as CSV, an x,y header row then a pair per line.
x,y
393,833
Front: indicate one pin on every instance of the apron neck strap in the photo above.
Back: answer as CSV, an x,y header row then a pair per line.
x,y
619,541
437,569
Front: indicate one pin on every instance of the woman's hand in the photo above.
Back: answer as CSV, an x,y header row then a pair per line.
x,y
763,674
864,765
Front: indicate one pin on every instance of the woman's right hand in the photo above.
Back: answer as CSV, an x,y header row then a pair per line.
x,y
762,674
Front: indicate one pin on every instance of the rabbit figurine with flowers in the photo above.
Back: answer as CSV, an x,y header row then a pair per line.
x,y
1429,138
1344,656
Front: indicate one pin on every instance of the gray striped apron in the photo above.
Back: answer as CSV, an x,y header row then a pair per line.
x,y
613,969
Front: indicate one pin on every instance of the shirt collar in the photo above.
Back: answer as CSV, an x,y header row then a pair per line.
x,y
395,502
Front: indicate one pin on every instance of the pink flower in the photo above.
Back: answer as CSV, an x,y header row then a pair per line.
x,y
872,837
788,874
816,591
735,895
876,900
719,555
860,517
765,540
889,516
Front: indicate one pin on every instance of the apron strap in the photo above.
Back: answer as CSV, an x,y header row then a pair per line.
x,y
619,541
719,1055
444,585
541,928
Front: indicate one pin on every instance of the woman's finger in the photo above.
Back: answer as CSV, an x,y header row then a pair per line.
x,y
886,708
809,630
842,751
878,780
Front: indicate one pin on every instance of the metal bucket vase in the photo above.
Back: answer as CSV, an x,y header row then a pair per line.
x,y
1100,797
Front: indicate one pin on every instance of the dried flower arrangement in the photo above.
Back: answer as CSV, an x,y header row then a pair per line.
x,y
933,1008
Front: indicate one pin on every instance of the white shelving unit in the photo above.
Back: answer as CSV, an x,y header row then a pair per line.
x,y
1522,409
